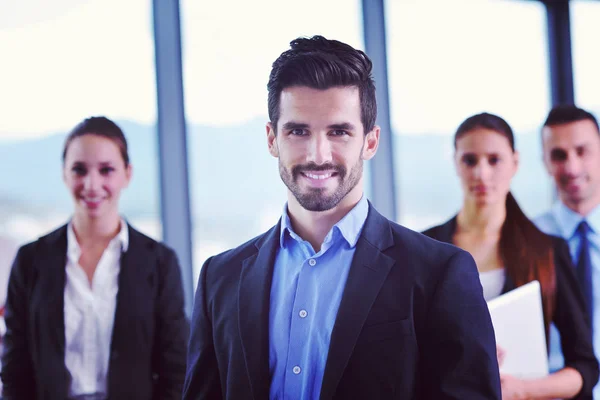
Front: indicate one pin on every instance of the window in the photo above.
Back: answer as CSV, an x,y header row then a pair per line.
x,y
586,62
236,190
448,61
62,62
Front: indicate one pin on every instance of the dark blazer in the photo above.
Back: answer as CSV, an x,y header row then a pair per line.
x,y
570,317
147,359
412,323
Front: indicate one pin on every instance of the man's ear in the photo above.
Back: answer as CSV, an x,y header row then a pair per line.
x,y
545,156
272,140
371,143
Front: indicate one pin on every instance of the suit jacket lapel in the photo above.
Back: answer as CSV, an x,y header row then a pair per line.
x,y
49,329
51,264
369,270
254,296
135,293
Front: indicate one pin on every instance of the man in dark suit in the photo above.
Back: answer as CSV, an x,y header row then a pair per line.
x,y
336,301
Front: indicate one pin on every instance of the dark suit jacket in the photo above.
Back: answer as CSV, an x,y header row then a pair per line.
x,y
147,359
570,317
412,323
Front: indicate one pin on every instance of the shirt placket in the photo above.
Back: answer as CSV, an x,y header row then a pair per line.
x,y
103,291
298,363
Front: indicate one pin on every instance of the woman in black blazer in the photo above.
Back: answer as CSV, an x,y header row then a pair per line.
x,y
510,251
95,309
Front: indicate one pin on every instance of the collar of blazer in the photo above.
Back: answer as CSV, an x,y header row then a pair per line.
x,y
444,232
368,272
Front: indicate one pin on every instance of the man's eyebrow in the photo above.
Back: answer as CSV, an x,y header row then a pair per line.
x,y
344,126
557,151
294,125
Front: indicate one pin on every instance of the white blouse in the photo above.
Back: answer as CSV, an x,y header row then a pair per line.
x,y
89,314
492,282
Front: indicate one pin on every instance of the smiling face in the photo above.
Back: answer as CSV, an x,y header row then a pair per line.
x,y
486,164
321,146
95,173
572,158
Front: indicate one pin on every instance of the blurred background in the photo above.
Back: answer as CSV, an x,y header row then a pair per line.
x,y
186,80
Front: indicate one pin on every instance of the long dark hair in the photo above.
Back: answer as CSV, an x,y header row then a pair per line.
x,y
527,253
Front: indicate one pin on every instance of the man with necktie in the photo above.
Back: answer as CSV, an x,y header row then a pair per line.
x,y
571,146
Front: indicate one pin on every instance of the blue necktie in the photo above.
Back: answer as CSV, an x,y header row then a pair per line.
x,y
584,268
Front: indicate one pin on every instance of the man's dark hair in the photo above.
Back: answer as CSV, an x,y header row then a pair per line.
x,y
320,63
567,113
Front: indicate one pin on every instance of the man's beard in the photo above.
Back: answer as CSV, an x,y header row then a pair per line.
x,y
315,199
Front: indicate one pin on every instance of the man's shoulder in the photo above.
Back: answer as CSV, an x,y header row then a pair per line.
x,y
236,255
547,223
430,262
422,248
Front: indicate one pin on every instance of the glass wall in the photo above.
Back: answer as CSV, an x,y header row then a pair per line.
x,y
63,61
450,60
235,184
585,32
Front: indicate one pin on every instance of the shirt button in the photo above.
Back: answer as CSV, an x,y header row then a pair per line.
x,y
296,370
303,313
312,262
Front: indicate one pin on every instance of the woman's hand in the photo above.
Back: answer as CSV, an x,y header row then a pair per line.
x,y
513,388
563,384
500,353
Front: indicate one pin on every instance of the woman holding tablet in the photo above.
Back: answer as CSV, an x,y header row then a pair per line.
x,y
510,251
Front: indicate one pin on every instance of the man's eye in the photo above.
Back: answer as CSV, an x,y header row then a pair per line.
x,y
298,132
339,132
558,155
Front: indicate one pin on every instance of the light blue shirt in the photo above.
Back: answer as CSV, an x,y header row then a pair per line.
x,y
305,296
562,221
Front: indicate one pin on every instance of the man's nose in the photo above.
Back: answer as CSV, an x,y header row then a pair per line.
x,y
319,150
572,165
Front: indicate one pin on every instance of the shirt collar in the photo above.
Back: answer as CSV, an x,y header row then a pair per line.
x,y
74,251
593,219
568,220
350,226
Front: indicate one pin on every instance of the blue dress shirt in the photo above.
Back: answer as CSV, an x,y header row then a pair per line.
x,y
562,221
306,292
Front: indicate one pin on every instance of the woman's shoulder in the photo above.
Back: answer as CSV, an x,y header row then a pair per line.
x,y
442,232
560,248
563,264
52,239
44,248
139,240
